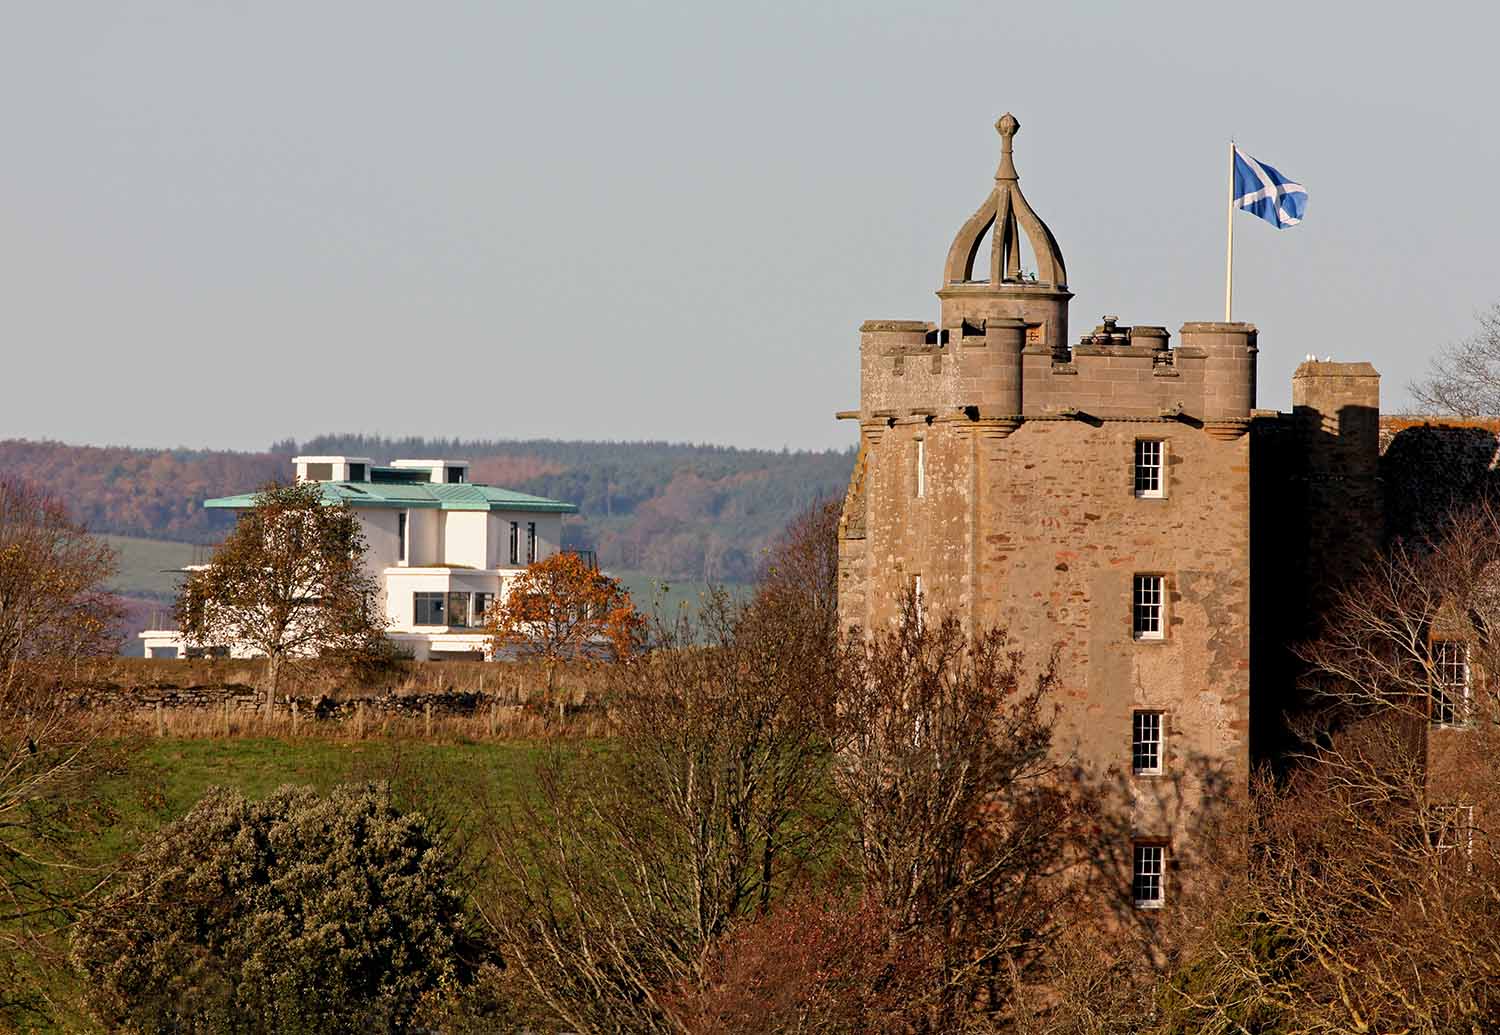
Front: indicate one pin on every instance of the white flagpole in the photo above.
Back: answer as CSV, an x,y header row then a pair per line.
x,y
1229,253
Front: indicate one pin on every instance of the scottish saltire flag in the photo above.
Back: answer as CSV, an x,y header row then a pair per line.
x,y
1261,190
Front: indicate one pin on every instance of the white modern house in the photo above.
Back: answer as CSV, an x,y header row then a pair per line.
x,y
443,548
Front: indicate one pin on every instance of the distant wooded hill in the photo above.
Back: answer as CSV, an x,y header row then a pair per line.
x,y
680,511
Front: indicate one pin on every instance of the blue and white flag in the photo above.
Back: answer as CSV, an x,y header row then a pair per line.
x,y
1263,191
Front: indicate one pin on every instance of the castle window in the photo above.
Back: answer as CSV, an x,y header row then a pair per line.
x,y
1450,685
1149,483
1145,744
1146,875
921,467
1146,608
401,520
1451,829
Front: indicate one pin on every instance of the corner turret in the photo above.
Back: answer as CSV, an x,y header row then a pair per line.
x,y
1037,297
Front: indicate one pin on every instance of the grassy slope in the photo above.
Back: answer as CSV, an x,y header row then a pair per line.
x,y
147,567
161,779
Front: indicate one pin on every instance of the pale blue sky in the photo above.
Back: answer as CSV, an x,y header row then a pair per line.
x,y
222,224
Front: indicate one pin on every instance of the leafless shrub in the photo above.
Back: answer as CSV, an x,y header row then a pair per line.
x,y
943,760
633,862
1464,379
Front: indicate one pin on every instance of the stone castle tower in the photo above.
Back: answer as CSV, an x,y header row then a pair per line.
x,y
1100,496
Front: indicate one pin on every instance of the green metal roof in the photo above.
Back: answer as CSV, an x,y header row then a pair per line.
x,y
417,495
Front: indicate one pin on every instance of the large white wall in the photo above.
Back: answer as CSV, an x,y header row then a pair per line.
x,y
465,535
425,534
380,537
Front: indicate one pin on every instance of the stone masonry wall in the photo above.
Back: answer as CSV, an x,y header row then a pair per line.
x,y
1039,530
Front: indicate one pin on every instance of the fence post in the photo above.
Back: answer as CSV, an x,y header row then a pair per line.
x,y
294,718
161,726
427,710
494,708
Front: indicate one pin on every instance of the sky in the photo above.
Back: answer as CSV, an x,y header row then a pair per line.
x,y
224,224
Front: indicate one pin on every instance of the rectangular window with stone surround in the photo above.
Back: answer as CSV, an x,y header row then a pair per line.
x,y
1147,871
1450,683
1149,469
1146,743
1147,609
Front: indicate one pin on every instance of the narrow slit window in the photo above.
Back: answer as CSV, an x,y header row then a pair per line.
x,y
401,520
515,542
1146,744
1149,483
1146,608
531,542
921,467
1146,876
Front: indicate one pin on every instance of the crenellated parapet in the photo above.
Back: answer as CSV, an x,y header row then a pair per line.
x,y
989,369
1000,350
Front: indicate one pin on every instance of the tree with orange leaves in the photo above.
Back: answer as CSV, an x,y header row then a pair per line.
x,y
560,608
53,599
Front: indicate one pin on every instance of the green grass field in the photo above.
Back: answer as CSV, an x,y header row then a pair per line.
x,y
167,776
157,781
148,567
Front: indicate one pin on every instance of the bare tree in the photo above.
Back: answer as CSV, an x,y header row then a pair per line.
x,y
622,877
289,582
53,601
1464,379
1416,632
1372,902
942,752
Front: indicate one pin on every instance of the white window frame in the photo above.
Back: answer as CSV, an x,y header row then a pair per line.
x,y
1455,829
1150,468
1453,683
1147,737
921,461
1148,607
1148,871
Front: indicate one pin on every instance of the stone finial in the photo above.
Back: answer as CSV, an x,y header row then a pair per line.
x,y
1007,125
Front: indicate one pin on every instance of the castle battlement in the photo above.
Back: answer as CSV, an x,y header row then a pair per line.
x,y
1000,368
1000,352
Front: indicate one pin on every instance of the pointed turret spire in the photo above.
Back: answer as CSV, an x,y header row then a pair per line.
x,y
1007,211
